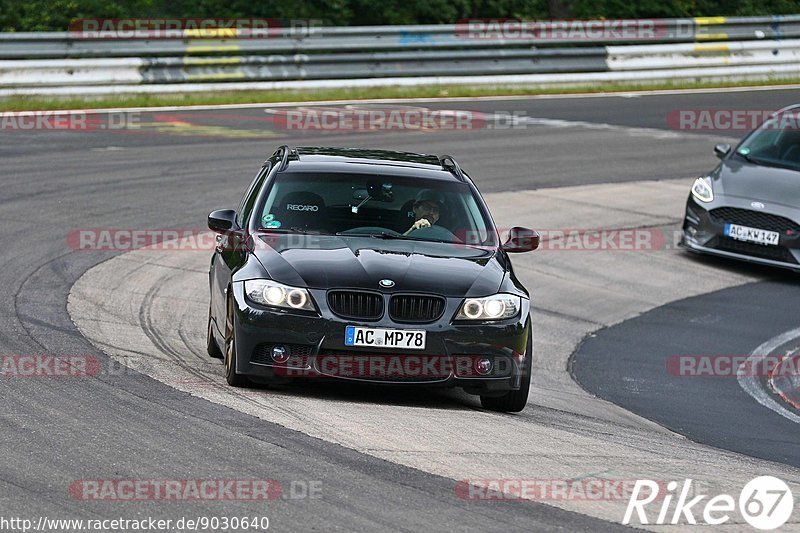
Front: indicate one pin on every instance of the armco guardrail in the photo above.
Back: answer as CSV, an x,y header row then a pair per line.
x,y
470,52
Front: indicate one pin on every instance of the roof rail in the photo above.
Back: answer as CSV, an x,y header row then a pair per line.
x,y
787,108
283,152
449,163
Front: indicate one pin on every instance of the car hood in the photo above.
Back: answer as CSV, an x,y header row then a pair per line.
x,y
746,180
324,262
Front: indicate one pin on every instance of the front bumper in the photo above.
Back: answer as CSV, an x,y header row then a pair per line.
x,y
705,234
316,348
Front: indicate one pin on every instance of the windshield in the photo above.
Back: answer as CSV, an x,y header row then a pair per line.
x,y
775,143
375,206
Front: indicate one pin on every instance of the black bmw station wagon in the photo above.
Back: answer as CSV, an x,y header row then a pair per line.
x,y
369,265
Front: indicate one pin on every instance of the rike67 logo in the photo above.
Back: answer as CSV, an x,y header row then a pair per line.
x,y
765,503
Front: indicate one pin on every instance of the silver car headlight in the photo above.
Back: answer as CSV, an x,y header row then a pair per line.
x,y
496,307
701,189
274,294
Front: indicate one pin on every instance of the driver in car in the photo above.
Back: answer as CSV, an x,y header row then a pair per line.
x,y
428,205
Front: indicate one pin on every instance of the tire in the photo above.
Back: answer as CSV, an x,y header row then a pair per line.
x,y
233,379
211,343
514,401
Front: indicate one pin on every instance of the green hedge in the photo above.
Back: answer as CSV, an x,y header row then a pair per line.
x,y
55,15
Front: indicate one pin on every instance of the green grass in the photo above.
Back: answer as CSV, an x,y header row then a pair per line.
x,y
29,103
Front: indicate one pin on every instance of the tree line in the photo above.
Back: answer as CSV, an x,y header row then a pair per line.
x,y
56,15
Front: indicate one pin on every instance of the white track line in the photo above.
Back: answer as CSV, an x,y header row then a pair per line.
x,y
621,94
752,385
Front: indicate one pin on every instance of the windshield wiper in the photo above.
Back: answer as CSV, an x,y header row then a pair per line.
x,y
381,235
428,240
291,230
766,163
390,236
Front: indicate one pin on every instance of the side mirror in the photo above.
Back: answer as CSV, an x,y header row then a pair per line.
x,y
222,220
521,240
721,150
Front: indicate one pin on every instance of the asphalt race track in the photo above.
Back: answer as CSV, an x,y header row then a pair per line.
x,y
383,460
626,364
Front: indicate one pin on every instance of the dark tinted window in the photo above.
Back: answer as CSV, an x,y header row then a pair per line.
x,y
776,142
354,204
250,197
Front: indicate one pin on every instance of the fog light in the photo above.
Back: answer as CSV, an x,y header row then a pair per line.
x,y
280,354
483,366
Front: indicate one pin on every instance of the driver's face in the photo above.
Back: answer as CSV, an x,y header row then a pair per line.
x,y
426,209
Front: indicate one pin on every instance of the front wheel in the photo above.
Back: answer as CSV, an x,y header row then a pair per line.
x,y
233,379
514,401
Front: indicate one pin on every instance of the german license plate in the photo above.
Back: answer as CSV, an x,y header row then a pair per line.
x,y
407,339
759,236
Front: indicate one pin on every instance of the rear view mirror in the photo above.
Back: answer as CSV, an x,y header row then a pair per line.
x,y
381,192
521,240
721,150
374,191
222,220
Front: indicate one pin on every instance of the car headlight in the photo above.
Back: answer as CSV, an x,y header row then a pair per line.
x,y
274,294
495,307
702,189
